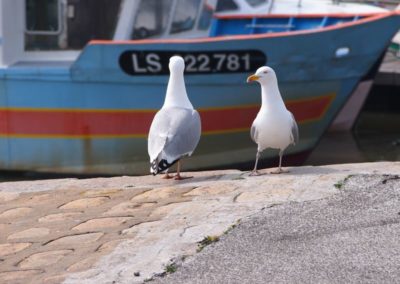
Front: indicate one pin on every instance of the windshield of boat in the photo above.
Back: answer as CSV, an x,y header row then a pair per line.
x,y
68,24
185,15
255,3
168,18
206,15
151,18
226,5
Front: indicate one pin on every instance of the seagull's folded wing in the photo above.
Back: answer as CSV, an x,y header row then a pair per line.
x,y
175,132
254,133
295,131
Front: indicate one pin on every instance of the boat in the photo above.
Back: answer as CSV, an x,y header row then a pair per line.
x,y
80,81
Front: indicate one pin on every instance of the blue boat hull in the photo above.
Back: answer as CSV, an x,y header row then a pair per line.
x,y
92,117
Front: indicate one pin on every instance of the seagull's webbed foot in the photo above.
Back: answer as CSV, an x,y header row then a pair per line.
x,y
280,171
255,173
178,173
179,177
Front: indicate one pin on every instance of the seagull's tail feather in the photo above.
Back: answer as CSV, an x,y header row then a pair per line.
x,y
160,166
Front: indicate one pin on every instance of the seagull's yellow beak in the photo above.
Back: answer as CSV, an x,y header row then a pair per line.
x,y
252,78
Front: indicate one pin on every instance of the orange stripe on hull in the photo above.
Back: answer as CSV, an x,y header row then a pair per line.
x,y
35,123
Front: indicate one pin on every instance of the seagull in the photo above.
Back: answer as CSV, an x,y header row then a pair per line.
x,y
176,127
274,127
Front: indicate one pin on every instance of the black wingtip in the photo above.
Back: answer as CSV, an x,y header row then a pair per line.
x,y
154,168
158,167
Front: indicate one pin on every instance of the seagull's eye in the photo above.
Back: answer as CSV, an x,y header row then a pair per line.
x,y
265,72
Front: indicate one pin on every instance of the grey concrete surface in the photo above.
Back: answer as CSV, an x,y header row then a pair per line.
x,y
350,237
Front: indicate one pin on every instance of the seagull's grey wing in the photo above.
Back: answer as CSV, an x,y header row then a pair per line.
x,y
174,133
295,131
185,132
253,133
158,134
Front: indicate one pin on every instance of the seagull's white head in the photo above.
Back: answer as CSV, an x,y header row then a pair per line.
x,y
176,64
176,91
264,75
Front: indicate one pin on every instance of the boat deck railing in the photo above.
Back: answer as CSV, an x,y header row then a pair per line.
x,y
384,3
288,27
375,2
258,24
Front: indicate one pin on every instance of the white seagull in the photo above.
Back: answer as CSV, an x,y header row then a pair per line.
x,y
274,126
176,127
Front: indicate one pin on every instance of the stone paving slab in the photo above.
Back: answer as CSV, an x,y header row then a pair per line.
x,y
126,229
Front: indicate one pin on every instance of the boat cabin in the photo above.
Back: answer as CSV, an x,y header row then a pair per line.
x,y
56,30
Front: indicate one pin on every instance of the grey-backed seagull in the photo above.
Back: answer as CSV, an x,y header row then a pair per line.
x,y
176,127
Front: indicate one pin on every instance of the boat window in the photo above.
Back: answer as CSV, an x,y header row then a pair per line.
x,y
226,5
68,24
43,16
152,18
185,15
256,3
206,16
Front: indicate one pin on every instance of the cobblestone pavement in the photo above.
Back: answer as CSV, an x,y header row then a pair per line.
x,y
126,229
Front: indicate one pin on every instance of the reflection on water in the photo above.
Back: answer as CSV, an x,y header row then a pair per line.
x,y
376,138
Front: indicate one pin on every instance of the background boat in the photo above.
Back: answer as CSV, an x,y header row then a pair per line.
x,y
69,106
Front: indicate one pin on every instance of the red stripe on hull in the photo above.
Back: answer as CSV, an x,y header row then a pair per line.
x,y
36,122
313,109
79,123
